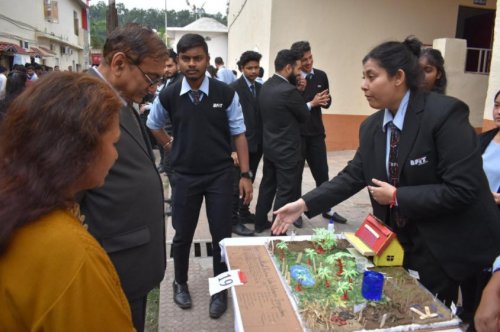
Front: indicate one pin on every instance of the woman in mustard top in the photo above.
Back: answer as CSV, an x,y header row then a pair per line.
x,y
56,140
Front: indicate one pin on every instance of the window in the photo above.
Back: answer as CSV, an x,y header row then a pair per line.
x,y
390,258
75,22
50,11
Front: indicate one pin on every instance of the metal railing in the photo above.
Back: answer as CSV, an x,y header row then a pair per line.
x,y
478,60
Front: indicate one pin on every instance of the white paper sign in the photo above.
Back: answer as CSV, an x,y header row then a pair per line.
x,y
359,307
453,308
414,274
224,281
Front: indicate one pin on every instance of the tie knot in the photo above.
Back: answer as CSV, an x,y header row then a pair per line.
x,y
309,76
391,125
195,94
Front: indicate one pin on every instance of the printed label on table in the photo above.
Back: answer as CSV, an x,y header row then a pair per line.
x,y
224,281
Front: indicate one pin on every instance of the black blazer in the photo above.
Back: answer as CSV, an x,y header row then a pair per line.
x,y
443,190
251,112
317,83
282,109
126,214
486,137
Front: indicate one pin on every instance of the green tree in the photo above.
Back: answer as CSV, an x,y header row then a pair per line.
x,y
154,18
325,273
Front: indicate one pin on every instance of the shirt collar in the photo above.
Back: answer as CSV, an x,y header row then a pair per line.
x,y
399,119
281,77
185,87
124,102
248,82
304,74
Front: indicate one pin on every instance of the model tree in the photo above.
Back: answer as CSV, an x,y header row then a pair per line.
x,y
325,273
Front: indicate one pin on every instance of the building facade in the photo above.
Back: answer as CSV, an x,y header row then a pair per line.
x,y
341,33
48,32
214,32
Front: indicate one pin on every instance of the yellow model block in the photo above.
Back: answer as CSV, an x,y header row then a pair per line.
x,y
392,256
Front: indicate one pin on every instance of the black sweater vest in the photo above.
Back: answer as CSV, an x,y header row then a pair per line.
x,y
202,137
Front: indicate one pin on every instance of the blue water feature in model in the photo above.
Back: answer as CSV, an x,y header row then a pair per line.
x,y
307,279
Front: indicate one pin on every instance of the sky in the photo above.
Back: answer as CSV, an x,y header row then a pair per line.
x,y
210,6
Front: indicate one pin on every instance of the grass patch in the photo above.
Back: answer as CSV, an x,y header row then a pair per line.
x,y
153,310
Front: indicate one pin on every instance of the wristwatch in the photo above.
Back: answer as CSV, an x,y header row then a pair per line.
x,y
247,175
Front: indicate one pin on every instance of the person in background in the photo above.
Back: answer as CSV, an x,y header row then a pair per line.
x,y
282,110
211,71
30,71
490,148
56,68
126,214
58,139
248,90
170,75
487,318
432,64
421,161
16,83
260,77
206,117
223,74
314,82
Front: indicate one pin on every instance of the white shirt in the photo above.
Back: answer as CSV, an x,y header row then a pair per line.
x,y
3,85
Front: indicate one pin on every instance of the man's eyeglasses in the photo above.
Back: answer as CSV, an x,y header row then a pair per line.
x,y
148,79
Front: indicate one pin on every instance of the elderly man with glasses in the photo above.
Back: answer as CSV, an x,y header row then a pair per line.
x,y
126,214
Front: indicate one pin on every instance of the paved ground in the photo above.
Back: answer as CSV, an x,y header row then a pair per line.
x,y
172,318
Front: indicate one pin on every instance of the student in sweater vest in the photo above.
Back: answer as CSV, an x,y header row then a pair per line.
x,y
205,116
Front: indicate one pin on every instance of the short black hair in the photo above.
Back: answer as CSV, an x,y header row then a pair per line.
x,y
284,58
191,40
261,72
137,41
3,69
218,61
248,56
172,55
301,47
394,55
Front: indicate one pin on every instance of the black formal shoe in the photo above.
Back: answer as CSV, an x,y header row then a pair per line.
x,y
336,217
181,295
218,304
260,229
240,229
299,223
245,217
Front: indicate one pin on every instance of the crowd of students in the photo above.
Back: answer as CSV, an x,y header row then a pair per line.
x,y
73,142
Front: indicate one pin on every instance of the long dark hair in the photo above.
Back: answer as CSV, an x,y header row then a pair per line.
x,y
48,140
436,59
394,55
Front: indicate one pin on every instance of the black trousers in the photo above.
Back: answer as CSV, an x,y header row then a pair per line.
x,y
281,183
138,310
188,193
472,289
238,206
314,152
